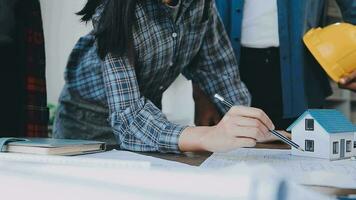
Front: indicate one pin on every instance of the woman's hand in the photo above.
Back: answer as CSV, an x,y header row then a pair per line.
x,y
273,138
240,127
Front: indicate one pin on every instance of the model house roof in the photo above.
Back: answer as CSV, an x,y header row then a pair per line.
x,y
333,121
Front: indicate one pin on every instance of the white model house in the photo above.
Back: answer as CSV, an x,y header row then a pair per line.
x,y
325,134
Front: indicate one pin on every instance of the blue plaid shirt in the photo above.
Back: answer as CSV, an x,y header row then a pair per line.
x,y
195,44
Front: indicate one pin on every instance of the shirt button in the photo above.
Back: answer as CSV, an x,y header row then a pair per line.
x,y
170,64
161,87
174,35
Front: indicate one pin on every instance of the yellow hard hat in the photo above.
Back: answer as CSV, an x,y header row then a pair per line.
x,y
334,47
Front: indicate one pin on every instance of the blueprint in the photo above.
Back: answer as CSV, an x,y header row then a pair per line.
x,y
303,170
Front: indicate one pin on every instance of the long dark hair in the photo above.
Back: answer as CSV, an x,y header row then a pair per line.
x,y
114,33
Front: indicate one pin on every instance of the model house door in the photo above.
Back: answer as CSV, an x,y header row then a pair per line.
x,y
342,148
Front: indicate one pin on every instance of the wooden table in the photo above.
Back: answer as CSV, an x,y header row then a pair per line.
x,y
196,159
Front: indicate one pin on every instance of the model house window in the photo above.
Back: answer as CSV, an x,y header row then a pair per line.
x,y
348,146
335,147
309,124
309,145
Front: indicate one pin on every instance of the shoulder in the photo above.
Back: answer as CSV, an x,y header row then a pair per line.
x,y
84,51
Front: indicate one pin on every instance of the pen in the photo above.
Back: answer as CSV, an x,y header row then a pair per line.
x,y
280,136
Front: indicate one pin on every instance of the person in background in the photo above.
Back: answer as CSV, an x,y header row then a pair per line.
x,y
24,110
116,76
282,76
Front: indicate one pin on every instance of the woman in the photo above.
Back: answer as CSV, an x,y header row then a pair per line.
x,y
137,48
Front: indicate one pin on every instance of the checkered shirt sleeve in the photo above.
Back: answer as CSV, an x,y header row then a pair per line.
x,y
139,124
215,69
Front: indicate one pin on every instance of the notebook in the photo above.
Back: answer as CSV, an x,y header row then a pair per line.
x,y
50,146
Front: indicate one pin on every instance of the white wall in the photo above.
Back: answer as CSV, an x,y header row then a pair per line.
x,y
178,103
62,29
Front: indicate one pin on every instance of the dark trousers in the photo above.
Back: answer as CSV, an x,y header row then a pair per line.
x,y
260,70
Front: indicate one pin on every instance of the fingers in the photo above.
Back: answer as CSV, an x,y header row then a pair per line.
x,y
347,79
350,86
348,82
273,138
250,132
286,134
268,139
252,113
252,123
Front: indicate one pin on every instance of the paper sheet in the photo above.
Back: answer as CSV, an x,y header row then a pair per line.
x,y
118,175
49,160
130,156
303,170
80,182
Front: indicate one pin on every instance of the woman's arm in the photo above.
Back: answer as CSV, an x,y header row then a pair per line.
x,y
240,127
140,126
137,123
215,70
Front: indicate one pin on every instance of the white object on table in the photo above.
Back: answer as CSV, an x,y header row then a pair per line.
x,y
130,156
72,161
23,180
303,170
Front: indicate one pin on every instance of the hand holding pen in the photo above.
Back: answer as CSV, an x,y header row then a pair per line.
x,y
240,127
271,130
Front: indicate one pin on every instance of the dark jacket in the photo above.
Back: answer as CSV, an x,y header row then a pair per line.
x,y
23,102
7,21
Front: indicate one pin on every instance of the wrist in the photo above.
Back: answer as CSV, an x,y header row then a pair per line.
x,y
193,139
